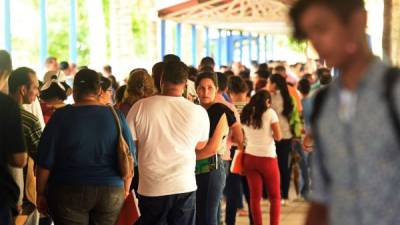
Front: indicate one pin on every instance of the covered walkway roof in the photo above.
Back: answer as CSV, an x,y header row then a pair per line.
x,y
267,16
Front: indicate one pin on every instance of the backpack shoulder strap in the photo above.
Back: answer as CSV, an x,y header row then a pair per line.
x,y
390,80
318,104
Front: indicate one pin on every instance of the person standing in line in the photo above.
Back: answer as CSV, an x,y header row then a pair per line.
x,y
12,152
261,129
168,129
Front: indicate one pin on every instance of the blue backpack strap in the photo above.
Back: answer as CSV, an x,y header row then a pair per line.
x,y
318,103
390,80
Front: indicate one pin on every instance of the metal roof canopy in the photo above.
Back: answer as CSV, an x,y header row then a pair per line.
x,y
265,16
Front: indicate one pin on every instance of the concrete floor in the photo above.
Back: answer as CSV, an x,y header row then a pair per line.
x,y
292,214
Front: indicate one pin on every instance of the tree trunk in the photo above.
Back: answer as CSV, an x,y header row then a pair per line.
x,y
395,44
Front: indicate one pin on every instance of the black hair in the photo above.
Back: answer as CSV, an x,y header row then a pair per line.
x,y
54,91
206,75
249,87
114,82
5,62
237,85
19,77
86,82
287,100
64,65
105,83
304,86
342,8
171,58
175,72
264,74
229,73
192,73
206,69
324,76
222,81
119,94
252,113
156,73
245,74
207,61
263,67
260,84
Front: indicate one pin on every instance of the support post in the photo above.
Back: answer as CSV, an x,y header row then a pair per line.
x,y
207,41
178,39
194,46
266,47
219,47
7,26
73,50
241,46
163,36
250,38
43,32
258,48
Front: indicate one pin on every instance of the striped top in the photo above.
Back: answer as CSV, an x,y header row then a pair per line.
x,y
32,131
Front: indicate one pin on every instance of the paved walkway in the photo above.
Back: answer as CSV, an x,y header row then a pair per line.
x,y
292,214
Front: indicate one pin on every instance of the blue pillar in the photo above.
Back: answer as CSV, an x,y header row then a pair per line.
x,y
241,46
229,47
7,26
194,46
43,32
219,47
250,38
178,39
207,41
73,50
258,48
163,37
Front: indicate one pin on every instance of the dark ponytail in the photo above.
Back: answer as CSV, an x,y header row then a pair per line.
x,y
282,87
253,111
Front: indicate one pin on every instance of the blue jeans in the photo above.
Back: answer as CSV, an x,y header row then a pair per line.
x,y
209,193
305,187
5,215
178,209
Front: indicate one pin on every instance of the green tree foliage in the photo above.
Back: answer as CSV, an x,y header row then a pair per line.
x,y
140,24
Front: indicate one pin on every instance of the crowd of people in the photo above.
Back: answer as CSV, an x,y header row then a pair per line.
x,y
183,129
187,126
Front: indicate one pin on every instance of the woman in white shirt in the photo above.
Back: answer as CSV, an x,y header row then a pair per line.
x,y
261,127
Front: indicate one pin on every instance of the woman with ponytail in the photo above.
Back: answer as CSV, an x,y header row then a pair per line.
x,y
283,105
261,127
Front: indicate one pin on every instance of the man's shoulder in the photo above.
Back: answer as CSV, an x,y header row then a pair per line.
x,y
28,118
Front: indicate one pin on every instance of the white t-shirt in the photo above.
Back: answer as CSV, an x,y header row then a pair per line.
x,y
260,142
167,129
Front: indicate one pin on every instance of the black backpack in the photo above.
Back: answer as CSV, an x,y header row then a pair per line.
x,y
390,79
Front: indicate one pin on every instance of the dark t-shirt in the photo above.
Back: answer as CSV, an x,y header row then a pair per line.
x,y
215,112
11,142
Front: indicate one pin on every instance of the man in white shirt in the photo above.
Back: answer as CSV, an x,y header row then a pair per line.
x,y
168,128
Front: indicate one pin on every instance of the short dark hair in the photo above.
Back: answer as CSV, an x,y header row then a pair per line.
x,y
105,83
192,73
280,68
5,62
237,85
49,59
222,81
260,84
175,72
156,73
342,8
107,68
18,78
207,61
304,86
324,76
206,75
171,58
245,74
86,82
119,94
64,65
264,74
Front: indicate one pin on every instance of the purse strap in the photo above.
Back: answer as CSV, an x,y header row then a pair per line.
x,y
117,121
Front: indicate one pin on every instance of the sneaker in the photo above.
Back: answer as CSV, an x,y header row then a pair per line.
x,y
284,202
